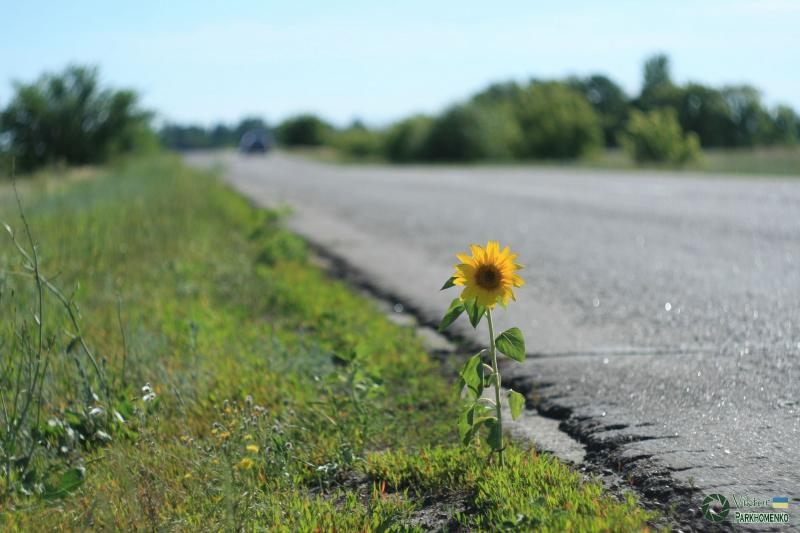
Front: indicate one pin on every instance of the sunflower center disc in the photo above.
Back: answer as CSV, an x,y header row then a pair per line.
x,y
488,277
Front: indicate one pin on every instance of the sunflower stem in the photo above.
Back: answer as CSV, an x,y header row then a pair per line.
x,y
493,352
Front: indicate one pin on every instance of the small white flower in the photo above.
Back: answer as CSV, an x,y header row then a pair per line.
x,y
149,397
96,411
119,417
147,389
102,435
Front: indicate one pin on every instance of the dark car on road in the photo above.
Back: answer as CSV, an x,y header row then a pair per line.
x,y
257,141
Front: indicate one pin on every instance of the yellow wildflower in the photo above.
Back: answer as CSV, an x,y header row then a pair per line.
x,y
245,464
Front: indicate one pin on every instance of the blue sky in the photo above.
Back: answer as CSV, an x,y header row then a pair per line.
x,y
204,61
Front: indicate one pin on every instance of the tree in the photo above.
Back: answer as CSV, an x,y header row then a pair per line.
x,y
556,121
657,87
656,136
405,140
751,121
656,72
608,100
68,117
504,92
184,137
303,130
785,123
706,112
472,132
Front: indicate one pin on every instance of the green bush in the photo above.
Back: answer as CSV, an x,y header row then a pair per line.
x,y
405,141
656,136
5,165
303,130
785,126
705,111
608,100
471,133
557,122
358,142
69,118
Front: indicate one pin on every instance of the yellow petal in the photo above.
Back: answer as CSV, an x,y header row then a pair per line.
x,y
465,270
492,249
478,253
464,258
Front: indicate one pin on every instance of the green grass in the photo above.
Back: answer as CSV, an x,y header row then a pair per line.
x,y
285,401
769,161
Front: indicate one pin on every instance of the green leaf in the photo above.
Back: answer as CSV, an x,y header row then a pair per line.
x,y
512,343
494,438
449,283
472,374
464,426
474,311
69,482
516,402
458,386
453,312
470,421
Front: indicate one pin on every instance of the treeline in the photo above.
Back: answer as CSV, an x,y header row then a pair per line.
x,y
570,118
68,118
193,137
300,130
561,119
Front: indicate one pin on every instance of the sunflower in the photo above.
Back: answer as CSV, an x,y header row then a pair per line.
x,y
489,275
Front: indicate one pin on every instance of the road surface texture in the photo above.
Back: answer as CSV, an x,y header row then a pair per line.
x,y
661,311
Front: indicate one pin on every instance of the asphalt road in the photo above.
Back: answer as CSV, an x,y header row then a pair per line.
x,y
662,312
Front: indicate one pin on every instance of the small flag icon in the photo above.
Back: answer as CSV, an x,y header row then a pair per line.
x,y
780,502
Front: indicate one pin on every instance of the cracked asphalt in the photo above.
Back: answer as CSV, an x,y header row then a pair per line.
x,y
661,311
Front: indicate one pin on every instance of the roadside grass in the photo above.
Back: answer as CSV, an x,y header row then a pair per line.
x,y
766,161
284,401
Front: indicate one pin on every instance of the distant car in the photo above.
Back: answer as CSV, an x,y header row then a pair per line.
x,y
256,142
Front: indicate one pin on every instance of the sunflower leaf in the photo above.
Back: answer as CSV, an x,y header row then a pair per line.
x,y
472,374
471,418
516,402
495,436
458,386
449,283
512,343
475,311
453,312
